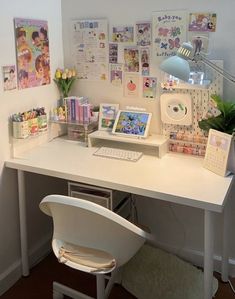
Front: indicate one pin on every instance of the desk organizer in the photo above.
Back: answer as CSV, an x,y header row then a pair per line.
x,y
29,123
77,131
155,144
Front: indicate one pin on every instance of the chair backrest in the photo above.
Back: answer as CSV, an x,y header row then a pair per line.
x,y
87,224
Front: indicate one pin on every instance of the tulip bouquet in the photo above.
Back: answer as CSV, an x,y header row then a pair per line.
x,y
64,80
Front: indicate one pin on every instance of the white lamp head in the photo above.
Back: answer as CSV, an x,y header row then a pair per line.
x,y
178,65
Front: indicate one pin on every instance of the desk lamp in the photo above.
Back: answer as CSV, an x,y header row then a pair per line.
x,y
178,65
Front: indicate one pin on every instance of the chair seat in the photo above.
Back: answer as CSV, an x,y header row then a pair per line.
x,y
99,260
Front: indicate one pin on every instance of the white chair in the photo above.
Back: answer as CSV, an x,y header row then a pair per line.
x,y
90,238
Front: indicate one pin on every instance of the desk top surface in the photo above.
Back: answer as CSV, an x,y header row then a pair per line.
x,y
174,178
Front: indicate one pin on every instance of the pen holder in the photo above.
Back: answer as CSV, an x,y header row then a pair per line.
x,y
33,126
42,123
20,129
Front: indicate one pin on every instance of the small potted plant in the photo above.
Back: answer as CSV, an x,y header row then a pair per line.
x,y
223,122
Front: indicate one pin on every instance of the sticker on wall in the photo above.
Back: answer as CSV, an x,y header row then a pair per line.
x,y
176,109
32,47
9,77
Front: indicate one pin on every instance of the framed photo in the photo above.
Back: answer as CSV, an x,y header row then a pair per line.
x,y
107,116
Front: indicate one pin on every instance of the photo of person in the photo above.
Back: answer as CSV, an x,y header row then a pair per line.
x,y
131,59
9,77
33,56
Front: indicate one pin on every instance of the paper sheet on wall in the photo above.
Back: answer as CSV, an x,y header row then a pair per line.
x,y
169,31
90,48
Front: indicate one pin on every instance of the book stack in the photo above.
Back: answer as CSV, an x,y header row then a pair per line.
x,y
78,109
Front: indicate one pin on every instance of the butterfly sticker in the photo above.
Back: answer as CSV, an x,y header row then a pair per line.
x,y
164,45
174,43
175,31
163,31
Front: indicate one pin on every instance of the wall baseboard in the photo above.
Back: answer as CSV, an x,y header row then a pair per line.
x,y
196,257
10,276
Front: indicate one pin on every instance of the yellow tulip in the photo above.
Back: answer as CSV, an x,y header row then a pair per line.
x,y
64,76
58,74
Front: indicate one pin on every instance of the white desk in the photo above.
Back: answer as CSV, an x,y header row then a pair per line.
x,y
174,178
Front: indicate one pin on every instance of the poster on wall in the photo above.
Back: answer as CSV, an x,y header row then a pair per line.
x,y
90,48
9,77
32,50
169,31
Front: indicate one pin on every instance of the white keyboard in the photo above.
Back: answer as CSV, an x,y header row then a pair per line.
x,y
116,153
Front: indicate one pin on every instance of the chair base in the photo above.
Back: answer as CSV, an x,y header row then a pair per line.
x,y
59,290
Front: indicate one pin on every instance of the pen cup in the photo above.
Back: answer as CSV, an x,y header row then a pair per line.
x,y
42,123
33,126
20,129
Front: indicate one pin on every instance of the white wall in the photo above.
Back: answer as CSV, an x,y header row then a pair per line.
x,y
16,101
177,227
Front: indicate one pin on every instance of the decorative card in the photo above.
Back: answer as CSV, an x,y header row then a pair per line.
x,y
131,85
169,31
217,152
131,59
143,33
32,47
145,61
113,52
202,22
107,116
149,87
9,77
116,74
123,34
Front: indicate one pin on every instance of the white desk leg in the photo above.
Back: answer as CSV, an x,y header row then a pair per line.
x,y
208,253
23,225
224,266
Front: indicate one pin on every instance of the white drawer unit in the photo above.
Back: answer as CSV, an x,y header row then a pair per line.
x,y
116,201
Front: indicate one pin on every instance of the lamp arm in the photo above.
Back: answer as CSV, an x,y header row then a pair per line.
x,y
221,71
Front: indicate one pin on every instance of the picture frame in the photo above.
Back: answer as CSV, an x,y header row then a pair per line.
x,y
107,116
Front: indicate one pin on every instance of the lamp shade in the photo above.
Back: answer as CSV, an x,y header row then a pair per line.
x,y
177,67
